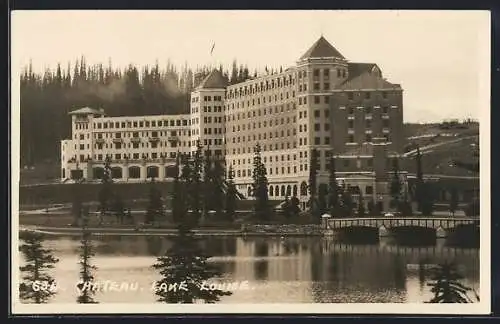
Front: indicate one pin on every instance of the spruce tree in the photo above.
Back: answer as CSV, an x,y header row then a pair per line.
x,y
260,186
76,208
396,185
217,194
37,285
196,183
154,212
332,187
453,201
446,286
86,283
184,270
105,192
419,190
313,172
230,195
361,206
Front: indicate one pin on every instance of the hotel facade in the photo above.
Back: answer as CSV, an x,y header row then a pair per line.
x,y
324,102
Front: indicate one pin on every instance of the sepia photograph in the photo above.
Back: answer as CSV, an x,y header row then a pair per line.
x,y
315,161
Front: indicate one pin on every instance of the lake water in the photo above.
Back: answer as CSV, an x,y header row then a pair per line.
x,y
283,270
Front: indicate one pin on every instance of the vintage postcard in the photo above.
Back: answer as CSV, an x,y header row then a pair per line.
x,y
250,162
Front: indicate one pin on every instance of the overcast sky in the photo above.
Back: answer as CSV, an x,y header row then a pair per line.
x,y
437,57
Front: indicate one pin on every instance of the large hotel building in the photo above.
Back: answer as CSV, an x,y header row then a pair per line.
x,y
324,102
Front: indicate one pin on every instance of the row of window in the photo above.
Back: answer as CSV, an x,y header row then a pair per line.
x,y
368,110
147,123
255,125
366,94
241,104
262,86
263,136
260,112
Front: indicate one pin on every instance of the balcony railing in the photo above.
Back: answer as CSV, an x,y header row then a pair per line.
x,y
99,140
118,140
135,139
154,139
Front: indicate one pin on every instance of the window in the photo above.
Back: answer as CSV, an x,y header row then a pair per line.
x,y
326,86
368,123
368,110
315,87
316,113
327,113
118,156
327,140
369,162
317,141
82,146
351,139
327,127
385,109
326,72
384,95
327,99
317,127
350,96
316,99
368,138
316,72
367,95
350,124
369,190
351,111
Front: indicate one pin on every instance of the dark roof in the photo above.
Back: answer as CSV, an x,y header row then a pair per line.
x,y
365,76
215,80
86,111
322,48
355,69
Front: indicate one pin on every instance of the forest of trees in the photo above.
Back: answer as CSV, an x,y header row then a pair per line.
x,y
130,91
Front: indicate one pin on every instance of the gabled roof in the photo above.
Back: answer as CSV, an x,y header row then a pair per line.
x,y
322,48
215,80
86,111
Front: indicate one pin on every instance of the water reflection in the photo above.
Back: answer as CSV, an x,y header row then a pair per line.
x,y
281,269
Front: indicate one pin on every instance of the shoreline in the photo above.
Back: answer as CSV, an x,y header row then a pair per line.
x,y
49,230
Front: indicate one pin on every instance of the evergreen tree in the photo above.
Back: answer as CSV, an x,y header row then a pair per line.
x,y
428,198
230,195
86,283
217,195
332,187
179,197
419,190
119,208
184,269
347,203
154,212
446,286
396,185
453,201
37,285
208,185
361,206
196,184
294,207
322,199
105,192
313,172
285,207
234,74
260,186
76,208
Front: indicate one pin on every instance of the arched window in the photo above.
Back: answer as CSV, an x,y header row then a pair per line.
x,y
271,192
134,172
152,172
303,189
277,191
283,190
294,194
116,173
249,191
